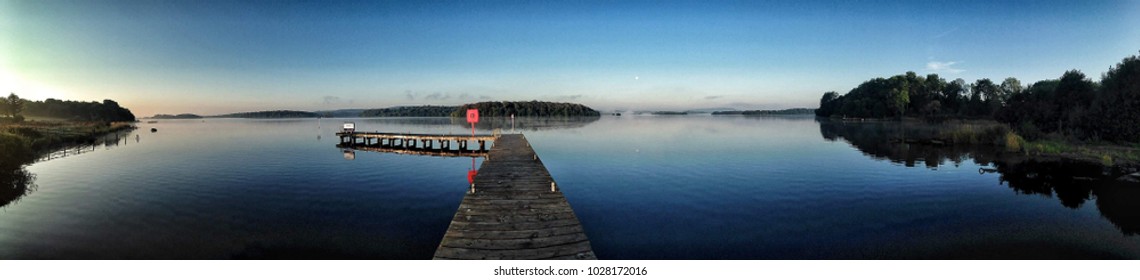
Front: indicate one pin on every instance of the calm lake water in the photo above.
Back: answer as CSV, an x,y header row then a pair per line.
x,y
644,187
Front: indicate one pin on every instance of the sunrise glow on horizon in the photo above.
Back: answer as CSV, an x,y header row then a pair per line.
x,y
213,57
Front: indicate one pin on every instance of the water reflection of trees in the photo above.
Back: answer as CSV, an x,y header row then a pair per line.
x,y
1072,182
880,140
528,123
1075,183
15,184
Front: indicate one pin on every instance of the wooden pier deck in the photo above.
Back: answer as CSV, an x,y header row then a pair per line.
x,y
440,143
514,210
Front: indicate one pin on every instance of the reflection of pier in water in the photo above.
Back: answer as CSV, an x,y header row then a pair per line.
x,y
414,151
513,208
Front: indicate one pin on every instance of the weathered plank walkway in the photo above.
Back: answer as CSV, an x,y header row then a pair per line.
x,y
514,210
414,141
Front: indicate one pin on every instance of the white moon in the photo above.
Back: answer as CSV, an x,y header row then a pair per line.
x,y
636,78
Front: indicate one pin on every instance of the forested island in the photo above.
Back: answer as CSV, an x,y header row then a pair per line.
x,y
527,109
411,111
793,111
486,109
1069,116
270,115
342,113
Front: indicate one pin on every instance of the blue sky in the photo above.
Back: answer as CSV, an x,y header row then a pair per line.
x,y
218,56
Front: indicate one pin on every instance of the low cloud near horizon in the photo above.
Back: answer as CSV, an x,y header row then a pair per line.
x,y
569,97
943,67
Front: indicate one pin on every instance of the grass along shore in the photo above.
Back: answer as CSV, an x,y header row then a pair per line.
x,y
23,142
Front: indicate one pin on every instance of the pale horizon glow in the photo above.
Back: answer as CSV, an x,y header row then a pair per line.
x,y
215,57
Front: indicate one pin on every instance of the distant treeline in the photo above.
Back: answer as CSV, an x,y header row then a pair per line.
x,y
108,111
527,109
487,109
794,111
270,115
178,116
1072,106
342,113
411,111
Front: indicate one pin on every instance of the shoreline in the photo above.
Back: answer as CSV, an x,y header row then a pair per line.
x,y
1117,159
25,142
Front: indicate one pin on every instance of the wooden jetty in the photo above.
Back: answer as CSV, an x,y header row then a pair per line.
x,y
514,210
414,142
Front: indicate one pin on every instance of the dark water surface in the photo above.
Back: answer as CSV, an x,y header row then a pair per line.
x,y
692,187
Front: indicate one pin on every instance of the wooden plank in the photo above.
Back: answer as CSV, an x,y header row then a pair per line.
x,y
514,217
513,244
515,234
515,195
513,214
492,211
509,225
517,204
580,250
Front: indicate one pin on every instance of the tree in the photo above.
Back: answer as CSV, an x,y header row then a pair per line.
x,y
1010,87
984,99
1117,108
828,97
935,86
899,94
828,104
1074,95
919,95
3,106
14,105
931,111
953,95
